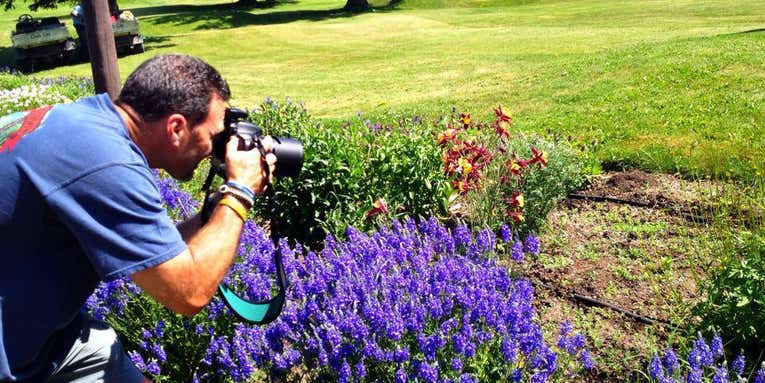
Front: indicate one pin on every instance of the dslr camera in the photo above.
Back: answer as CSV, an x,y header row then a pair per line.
x,y
288,151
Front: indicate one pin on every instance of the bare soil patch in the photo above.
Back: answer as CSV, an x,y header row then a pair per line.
x,y
635,247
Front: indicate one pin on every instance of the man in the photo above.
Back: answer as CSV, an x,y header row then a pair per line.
x,y
78,20
78,204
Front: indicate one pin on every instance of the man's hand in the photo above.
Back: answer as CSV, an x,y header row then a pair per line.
x,y
246,167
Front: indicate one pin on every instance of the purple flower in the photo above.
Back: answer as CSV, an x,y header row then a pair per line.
x,y
401,376
427,373
738,364
137,360
485,241
153,368
456,364
345,373
721,374
516,252
531,245
655,368
505,233
671,362
361,370
586,360
759,377
398,299
716,346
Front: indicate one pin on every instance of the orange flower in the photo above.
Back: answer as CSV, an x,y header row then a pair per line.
x,y
502,125
501,115
447,136
517,216
465,119
462,186
378,207
517,200
515,167
501,129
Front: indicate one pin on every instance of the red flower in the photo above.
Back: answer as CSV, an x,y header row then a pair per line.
x,y
448,135
538,157
378,207
465,119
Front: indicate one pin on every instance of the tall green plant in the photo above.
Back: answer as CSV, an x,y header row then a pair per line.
x,y
735,288
503,177
348,168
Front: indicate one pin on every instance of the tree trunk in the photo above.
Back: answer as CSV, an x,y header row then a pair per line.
x,y
356,5
103,53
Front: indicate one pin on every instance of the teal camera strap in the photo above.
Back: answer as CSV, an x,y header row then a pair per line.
x,y
260,312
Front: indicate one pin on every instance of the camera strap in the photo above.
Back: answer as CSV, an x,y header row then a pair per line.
x,y
260,312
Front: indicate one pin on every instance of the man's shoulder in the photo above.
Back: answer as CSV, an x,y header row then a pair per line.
x,y
92,126
75,140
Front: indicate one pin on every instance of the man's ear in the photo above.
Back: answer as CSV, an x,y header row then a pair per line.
x,y
176,128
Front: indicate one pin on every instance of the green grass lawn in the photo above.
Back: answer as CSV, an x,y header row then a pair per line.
x,y
666,85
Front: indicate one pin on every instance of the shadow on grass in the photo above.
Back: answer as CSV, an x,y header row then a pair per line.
x,y
8,56
233,15
756,30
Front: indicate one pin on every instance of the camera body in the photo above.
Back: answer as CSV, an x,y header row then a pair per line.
x,y
288,151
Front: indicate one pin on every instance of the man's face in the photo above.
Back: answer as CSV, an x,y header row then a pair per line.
x,y
198,144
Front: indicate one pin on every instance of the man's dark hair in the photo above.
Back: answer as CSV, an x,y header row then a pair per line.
x,y
173,83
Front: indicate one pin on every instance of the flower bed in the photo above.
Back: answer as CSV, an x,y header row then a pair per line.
x,y
410,302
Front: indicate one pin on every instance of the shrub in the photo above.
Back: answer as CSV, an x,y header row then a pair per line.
x,y
542,187
500,175
413,302
348,168
735,290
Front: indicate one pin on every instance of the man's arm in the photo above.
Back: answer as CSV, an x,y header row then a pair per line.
x,y
190,227
187,282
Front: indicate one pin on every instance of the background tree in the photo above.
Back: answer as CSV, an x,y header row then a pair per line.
x,y
355,5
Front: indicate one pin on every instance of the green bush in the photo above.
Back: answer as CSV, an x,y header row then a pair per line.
x,y
504,178
349,167
735,301
542,187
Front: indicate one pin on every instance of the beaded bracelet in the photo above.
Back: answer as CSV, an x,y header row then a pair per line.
x,y
242,188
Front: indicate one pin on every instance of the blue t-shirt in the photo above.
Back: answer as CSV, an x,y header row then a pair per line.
x,y
78,204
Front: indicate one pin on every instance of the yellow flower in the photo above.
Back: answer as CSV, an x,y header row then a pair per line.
x,y
465,165
518,199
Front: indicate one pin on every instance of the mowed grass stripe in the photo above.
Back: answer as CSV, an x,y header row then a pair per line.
x,y
625,78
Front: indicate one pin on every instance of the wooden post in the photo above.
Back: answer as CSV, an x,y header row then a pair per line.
x,y
103,53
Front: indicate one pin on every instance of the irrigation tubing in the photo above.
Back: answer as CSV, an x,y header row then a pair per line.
x,y
685,213
590,301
